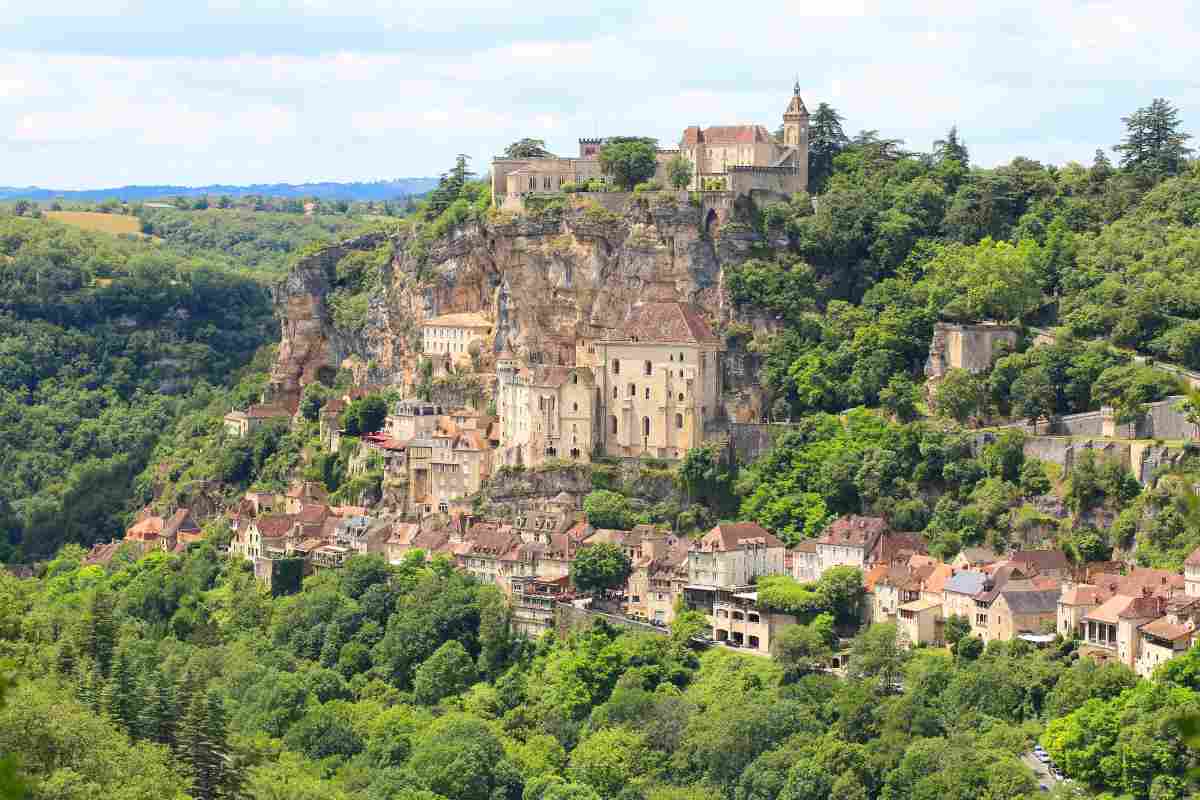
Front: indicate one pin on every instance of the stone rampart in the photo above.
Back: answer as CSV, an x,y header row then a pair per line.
x,y
570,618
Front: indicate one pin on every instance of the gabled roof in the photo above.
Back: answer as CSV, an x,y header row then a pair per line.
x,y
726,134
854,531
1044,601
1113,609
979,555
728,536
180,522
1082,594
313,513
274,526
1163,628
966,582
148,529
1041,560
664,322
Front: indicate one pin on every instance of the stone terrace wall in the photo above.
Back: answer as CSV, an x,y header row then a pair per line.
x,y
749,440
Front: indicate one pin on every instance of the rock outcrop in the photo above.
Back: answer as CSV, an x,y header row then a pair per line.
x,y
548,281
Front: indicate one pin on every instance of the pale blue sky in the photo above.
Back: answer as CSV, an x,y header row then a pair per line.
x,y
99,92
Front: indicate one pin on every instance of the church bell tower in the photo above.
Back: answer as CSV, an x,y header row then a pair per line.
x,y
795,122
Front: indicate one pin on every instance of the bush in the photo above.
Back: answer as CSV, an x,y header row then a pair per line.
x,y
647,186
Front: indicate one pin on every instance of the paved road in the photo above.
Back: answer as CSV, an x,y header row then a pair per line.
x,y
1042,771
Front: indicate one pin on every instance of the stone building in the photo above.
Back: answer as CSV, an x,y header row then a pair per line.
x,y
741,158
659,383
1191,573
739,620
730,557
972,347
243,423
738,158
659,577
447,340
545,412
849,541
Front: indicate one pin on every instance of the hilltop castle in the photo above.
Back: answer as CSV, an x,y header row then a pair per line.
x,y
736,158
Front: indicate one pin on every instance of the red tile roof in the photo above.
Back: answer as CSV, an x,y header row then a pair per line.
x,y
147,530
726,134
854,531
732,535
274,526
664,322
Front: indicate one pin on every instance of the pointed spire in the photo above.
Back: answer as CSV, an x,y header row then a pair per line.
x,y
796,88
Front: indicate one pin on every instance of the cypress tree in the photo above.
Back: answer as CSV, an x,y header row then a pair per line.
x,y
100,632
203,745
158,714
120,695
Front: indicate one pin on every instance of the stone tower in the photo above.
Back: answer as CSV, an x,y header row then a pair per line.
x,y
795,123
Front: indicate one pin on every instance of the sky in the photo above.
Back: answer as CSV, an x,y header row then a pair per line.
x,y
98,93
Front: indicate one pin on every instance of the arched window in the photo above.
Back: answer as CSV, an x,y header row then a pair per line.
x,y
681,397
647,392
614,393
670,357
648,368
681,356
633,390
574,452
575,378
645,426
616,366
612,424
574,406
679,421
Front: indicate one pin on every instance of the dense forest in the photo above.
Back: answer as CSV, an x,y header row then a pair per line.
x,y
178,675
106,342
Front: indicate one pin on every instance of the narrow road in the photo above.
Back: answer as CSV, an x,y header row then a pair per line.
x,y
1042,771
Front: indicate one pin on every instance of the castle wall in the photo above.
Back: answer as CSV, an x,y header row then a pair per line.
x,y
775,180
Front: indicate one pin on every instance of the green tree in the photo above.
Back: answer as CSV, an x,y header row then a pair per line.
x,y
956,627
951,149
826,140
527,148
959,395
449,671
609,509
460,758
879,653
600,566
1154,145
314,396
203,747
365,415
610,759
800,650
679,172
629,160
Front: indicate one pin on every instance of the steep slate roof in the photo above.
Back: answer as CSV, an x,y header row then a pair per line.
x,y
180,522
966,582
665,322
731,535
1036,602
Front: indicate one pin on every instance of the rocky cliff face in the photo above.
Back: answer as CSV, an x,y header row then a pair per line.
x,y
547,282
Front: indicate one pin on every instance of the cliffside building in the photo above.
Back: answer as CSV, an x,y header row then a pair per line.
x,y
545,412
446,340
737,158
659,382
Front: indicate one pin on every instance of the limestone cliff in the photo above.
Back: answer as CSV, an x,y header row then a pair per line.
x,y
548,281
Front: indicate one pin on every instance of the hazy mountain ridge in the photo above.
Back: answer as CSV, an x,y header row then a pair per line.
x,y
376,190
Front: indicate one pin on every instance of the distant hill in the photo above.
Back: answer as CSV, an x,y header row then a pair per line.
x,y
377,190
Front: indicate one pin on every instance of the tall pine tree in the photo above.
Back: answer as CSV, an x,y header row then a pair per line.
x,y
825,140
203,745
99,630
1154,147
951,149
158,714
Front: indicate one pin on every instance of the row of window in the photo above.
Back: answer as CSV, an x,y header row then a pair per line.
x,y
548,182
647,366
